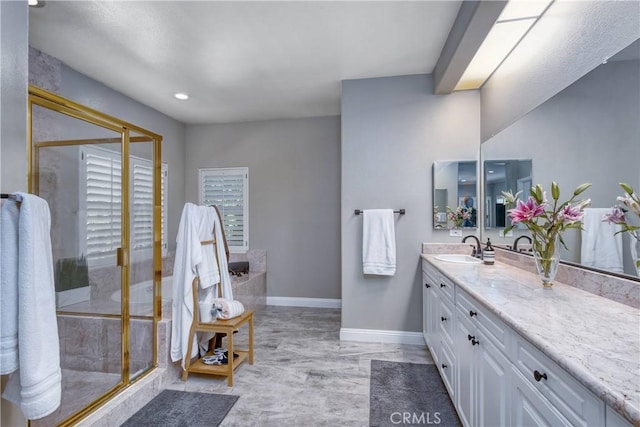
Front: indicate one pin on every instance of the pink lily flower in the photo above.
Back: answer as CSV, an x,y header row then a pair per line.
x,y
616,216
571,214
526,211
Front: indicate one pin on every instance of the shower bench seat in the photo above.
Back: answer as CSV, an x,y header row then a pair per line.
x,y
227,327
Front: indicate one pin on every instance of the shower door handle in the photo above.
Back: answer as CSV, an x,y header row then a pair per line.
x,y
120,258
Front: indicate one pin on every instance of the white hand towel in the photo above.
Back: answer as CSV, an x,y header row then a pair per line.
x,y
378,242
9,287
40,377
229,308
225,279
207,267
601,246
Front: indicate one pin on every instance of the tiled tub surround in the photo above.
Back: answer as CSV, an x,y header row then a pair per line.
x,y
593,338
625,291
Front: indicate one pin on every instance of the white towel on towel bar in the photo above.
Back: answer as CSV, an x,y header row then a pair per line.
x,y
9,287
601,246
378,242
37,386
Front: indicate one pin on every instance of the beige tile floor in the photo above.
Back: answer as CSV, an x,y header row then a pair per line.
x,y
302,375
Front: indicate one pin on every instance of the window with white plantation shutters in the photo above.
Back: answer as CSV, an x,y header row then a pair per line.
x,y
228,189
101,201
102,204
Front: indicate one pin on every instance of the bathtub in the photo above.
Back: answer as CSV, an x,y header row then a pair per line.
x,y
142,293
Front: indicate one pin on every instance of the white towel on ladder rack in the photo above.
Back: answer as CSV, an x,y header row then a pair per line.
x,y
378,242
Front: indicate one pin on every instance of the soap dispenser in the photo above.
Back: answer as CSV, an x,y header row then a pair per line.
x,y
488,254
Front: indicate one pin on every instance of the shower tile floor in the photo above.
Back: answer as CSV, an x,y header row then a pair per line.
x,y
302,373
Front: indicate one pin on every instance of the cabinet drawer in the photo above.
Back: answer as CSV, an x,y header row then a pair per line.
x,y
529,407
492,327
446,287
567,395
430,271
445,321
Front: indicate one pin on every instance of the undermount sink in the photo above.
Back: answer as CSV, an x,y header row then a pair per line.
x,y
458,258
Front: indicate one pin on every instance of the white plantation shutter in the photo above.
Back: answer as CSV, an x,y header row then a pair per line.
x,y
102,204
164,197
141,228
141,206
228,190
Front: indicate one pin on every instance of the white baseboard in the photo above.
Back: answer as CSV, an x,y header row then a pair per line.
x,y
304,302
381,336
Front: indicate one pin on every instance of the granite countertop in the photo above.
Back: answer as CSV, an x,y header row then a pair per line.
x,y
594,339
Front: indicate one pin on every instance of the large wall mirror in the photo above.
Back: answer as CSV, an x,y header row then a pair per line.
x,y
455,192
589,132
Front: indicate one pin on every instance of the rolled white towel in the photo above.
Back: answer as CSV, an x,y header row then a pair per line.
x,y
228,309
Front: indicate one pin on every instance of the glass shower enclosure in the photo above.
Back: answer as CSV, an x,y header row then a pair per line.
x,y
101,178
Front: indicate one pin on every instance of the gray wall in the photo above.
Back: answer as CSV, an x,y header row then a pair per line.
x,y
14,31
587,133
55,76
294,195
571,39
393,129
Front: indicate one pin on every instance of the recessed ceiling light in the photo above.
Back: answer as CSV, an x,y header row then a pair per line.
x,y
36,3
181,96
490,171
463,180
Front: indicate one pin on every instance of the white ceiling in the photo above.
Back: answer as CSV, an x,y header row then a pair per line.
x,y
241,61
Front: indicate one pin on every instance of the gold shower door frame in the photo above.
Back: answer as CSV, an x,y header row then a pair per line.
x,y
51,101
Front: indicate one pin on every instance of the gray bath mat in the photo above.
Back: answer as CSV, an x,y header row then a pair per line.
x,y
409,394
173,408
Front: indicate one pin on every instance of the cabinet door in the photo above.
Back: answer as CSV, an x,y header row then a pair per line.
x,y
426,307
529,407
435,343
465,353
492,390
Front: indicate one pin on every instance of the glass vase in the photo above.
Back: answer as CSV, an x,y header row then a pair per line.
x,y
546,253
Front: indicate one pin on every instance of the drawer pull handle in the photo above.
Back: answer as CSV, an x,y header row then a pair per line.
x,y
444,366
471,337
443,318
475,342
472,313
442,285
538,376
427,285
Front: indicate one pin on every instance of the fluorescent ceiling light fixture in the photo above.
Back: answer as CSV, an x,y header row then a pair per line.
x,y
514,22
523,9
181,96
490,171
36,3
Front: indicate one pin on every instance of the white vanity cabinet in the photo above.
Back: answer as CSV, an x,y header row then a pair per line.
x,y
482,376
494,375
438,323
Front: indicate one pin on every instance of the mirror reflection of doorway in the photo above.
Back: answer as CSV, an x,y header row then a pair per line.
x,y
488,212
501,215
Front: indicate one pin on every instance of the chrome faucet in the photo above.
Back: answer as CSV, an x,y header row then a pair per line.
x,y
515,243
477,251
